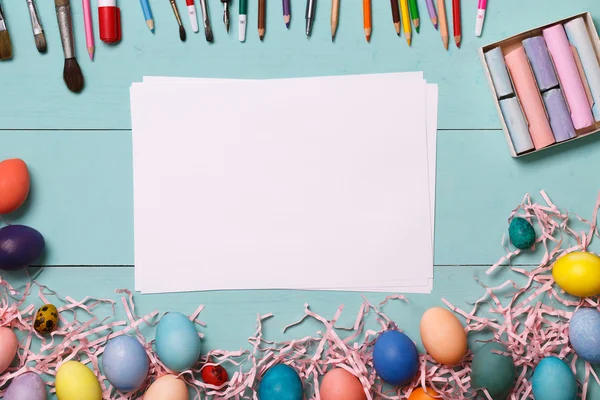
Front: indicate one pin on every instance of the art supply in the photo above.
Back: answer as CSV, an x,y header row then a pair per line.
x,y
443,22
406,20
497,67
191,7
367,19
414,14
396,15
529,97
541,63
432,14
558,114
226,19
5,45
566,68
243,11
72,74
36,25
262,18
481,7
88,25
287,12
579,37
311,7
208,33
182,35
148,14
456,21
335,15
517,125
109,17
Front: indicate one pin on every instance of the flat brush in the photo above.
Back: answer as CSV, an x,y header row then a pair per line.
x,y
206,21
5,46
182,35
72,73
36,25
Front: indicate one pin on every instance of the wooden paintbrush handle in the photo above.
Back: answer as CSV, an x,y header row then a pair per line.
x,y
59,3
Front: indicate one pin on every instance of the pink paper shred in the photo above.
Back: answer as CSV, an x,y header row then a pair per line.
x,y
530,329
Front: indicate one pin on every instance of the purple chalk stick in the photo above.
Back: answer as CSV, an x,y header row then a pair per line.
x,y
541,63
558,113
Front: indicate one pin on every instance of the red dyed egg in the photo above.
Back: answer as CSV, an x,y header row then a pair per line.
x,y
14,184
214,375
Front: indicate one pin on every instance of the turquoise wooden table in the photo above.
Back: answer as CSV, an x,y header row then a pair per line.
x,y
78,147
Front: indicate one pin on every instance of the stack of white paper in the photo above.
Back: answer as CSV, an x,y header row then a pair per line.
x,y
323,183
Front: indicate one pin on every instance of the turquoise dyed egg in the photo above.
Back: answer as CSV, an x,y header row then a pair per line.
x,y
492,371
281,382
177,342
584,334
553,380
521,233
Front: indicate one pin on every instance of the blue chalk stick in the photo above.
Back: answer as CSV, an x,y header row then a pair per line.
x,y
541,63
516,124
558,114
499,73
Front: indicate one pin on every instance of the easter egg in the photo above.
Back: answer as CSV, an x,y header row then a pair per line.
x,y
20,246
46,319
584,334
281,382
177,342
8,347
125,363
395,358
339,384
75,381
420,394
494,372
14,184
578,273
28,386
553,380
443,336
167,387
521,233
214,375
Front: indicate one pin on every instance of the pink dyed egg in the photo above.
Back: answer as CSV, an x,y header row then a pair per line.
x,y
167,387
339,384
8,347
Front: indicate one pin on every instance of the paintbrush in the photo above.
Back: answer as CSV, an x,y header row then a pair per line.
x,y
71,73
178,17
5,46
36,25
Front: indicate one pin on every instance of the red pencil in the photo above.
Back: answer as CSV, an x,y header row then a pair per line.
x,y
456,20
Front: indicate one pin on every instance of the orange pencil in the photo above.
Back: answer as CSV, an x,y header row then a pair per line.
x,y
367,18
443,22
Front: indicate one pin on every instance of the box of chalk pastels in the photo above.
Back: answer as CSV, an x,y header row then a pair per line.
x,y
546,84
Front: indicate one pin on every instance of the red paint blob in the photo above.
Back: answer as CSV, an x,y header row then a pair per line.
x,y
214,375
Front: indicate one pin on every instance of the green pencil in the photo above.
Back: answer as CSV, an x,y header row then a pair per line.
x,y
414,13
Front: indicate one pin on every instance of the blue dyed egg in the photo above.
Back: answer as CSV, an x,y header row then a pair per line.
x,y
395,358
177,343
553,380
281,382
20,246
521,233
125,363
584,333
28,386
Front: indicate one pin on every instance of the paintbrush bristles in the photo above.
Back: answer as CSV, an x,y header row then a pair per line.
x,y
40,42
5,46
182,35
72,75
208,33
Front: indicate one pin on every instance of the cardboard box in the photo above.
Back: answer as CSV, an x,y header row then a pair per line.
x,y
512,41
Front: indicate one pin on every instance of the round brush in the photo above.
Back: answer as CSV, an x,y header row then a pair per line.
x,y
38,31
71,73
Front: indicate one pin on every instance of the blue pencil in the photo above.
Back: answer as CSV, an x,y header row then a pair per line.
x,y
148,14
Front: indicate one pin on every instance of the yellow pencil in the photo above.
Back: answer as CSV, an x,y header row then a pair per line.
x,y
406,20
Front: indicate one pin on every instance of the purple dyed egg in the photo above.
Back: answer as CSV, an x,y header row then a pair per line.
x,y
28,386
20,246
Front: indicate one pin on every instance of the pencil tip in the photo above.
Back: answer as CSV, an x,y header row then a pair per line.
x,y
261,37
368,38
287,24
435,26
408,40
417,28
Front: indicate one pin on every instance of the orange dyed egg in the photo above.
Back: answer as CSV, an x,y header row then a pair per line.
x,y
420,394
443,336
14,184
339,384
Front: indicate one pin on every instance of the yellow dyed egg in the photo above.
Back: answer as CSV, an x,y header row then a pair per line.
x,y
46,319
75,381
578,273
167,387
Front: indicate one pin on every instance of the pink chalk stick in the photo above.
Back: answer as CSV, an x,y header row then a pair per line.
x,y
529,96
568,74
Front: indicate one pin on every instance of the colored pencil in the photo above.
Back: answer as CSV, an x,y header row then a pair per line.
x,y
443,22
414,14
367,19
396,15
148,14
432,15
89,31
287,13
335,15
262,17
481,7
243,11
456,21
406,20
